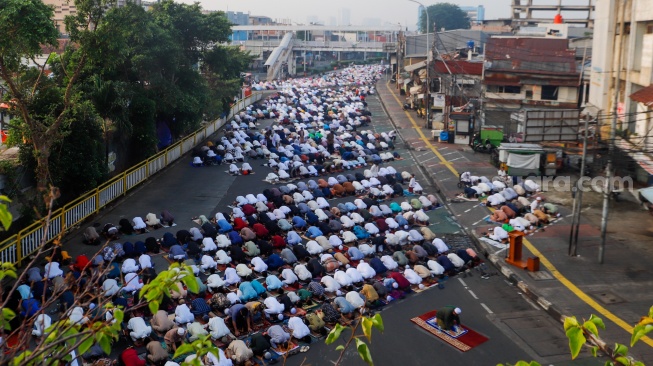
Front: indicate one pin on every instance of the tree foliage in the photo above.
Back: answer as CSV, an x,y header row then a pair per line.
x,y
366,323
123,71
444,15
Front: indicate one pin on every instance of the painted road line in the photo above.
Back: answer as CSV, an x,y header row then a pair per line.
x,y
419,131
543,260
578,292
486,308
473,294
461,281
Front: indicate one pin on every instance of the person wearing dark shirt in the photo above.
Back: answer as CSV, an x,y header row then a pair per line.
x,y
209,230
193,250
324,228
237,254
401,281
446,264
274,261
259,344
199,307
378,266
235,238
462,253
300,251
278,242
285,301
315,267
264,246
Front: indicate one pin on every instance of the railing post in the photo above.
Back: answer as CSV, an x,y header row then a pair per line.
x,y
147,168
97,201
124,183
165,161
19,250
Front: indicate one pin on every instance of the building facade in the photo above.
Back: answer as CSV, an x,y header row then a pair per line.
x,y
476,14
527,73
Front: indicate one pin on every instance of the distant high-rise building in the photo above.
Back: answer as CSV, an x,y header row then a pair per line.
x,y
476,14
345,16
333,20
238,18
420,11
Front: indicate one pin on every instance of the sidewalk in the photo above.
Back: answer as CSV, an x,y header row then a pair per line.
x,y
618,291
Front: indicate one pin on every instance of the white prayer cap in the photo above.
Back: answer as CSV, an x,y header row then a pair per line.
x,y
395,285
293,311
280,317
339,293
389,298
457,310
180,331
421,286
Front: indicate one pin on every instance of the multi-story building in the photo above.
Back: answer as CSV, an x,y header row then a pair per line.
x,y
476,14
238,17
527,73
63,8
530,12
622,54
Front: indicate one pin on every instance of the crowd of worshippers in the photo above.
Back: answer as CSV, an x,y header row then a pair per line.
x,y
258,267
311,126
509,196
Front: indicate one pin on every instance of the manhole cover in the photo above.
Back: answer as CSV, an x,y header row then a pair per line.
x,y
608,297
540,275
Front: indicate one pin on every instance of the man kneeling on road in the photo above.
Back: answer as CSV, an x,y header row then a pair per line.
x,y
448,317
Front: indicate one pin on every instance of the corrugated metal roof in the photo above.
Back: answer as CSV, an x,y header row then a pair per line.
x,y
644,96
459,67
532,55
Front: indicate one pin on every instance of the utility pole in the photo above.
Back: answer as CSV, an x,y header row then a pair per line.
x,y
428,51
607,190
578,192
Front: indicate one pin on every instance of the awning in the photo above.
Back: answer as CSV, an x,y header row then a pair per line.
x,y
413,67
5,105
647,194
644,96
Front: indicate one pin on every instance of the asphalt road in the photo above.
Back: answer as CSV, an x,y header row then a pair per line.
x,y
516,328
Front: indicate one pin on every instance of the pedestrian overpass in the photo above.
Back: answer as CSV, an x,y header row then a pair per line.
x,y
275,45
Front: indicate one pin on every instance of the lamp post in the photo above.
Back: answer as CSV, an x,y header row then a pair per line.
x,y
428,51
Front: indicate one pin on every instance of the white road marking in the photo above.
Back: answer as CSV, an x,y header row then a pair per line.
x,y
424,161
454,159
468,210
483,219
461,281
486,308
473,294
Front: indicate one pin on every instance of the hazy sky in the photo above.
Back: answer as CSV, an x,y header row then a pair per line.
x,y
393,11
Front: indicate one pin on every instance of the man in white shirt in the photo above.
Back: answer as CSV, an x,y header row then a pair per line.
x,y
214,282
435,267
440,245
342,278
330,284
183,314
298,329
258,265
289,277
498,234
139,329
272,306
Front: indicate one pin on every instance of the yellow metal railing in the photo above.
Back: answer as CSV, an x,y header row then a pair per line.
x,y
20,246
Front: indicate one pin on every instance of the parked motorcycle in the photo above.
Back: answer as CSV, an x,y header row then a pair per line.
x,y
481,146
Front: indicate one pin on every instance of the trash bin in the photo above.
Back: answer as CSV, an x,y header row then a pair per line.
x,y
444,136
452,138
435,135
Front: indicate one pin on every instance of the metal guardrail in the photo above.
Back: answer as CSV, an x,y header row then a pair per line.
x,y
20,246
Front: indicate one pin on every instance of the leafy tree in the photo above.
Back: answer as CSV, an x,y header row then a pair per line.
x,y
366,323
26,25
444,15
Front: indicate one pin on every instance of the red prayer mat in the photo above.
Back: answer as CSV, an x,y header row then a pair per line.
x,y
464,341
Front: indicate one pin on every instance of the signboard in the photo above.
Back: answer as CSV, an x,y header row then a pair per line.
x,y
547,124
438,100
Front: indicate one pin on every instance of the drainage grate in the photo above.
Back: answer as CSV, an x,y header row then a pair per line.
x,y
540,275
608,297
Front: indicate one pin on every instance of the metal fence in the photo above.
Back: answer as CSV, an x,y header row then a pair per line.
x,y
20,246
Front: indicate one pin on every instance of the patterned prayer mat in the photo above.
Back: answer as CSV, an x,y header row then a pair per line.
x,y
463,340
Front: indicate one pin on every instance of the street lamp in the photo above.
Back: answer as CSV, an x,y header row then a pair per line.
x,y
428,51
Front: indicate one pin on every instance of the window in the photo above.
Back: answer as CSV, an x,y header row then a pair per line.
x,y
506,89
549,92
529,94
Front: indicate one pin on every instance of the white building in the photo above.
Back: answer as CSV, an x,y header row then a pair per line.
x,y
633,50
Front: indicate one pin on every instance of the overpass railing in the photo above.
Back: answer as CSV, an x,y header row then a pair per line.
x,y
27,241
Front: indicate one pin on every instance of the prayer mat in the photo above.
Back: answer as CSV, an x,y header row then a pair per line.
x,y
463,340
310,305
293,347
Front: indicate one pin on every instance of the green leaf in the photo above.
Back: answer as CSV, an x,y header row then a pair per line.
x,y
154,306
86,345
594,351
640,331
184,349
576,341
609,363
364,351
591,327
105,344
6,218
377,321
597,321
340,347
526,363
620,349
638,363
650,312
367,328
8,314
191,283
119,315
570,322
623,360
334,334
